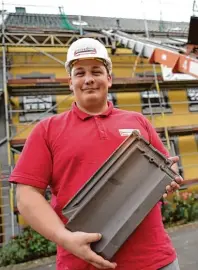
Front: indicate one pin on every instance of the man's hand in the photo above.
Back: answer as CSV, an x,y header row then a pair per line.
x,y
79,245
178,179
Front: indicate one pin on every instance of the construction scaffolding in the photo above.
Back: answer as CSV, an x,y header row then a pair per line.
x,y
35,85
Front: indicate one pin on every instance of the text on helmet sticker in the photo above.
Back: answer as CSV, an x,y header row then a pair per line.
x,y
86,50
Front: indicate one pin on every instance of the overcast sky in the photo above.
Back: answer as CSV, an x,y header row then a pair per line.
x,y
171,10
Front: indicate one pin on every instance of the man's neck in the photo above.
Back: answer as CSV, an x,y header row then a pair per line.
x,y
93,110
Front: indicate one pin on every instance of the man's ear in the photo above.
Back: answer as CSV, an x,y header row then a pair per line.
x,y
70,84
109,81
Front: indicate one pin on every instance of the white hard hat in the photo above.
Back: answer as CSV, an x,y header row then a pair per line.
x,y
84,48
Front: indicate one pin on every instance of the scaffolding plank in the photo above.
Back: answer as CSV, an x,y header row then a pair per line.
x,y
59,86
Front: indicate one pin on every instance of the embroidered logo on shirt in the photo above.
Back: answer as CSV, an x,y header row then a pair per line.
x,y
127,131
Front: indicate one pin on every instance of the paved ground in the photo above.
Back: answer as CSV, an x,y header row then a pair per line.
x,y
186,243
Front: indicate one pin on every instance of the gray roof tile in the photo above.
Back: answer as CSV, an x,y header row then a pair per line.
x,y
59,22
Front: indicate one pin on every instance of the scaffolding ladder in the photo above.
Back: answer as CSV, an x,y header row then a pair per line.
x,y
166,55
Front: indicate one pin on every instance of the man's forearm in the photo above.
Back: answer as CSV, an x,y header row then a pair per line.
x,y
39,214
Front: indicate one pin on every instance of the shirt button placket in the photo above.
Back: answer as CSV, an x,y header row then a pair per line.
x,y
100,127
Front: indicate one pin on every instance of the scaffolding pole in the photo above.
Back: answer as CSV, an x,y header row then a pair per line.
x,y
6,104
162,109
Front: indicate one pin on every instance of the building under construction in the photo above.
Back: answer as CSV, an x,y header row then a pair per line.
x,y
34,83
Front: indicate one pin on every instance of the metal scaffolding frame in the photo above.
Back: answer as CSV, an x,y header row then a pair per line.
x,y
38,41
48,39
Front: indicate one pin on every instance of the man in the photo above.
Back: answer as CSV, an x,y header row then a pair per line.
x,y
65,150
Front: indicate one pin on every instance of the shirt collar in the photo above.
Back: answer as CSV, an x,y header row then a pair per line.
x,y
83,116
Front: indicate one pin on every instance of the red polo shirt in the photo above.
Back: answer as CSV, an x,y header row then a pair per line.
x,y
65,150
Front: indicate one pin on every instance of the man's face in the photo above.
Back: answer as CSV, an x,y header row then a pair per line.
x,y
90,82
